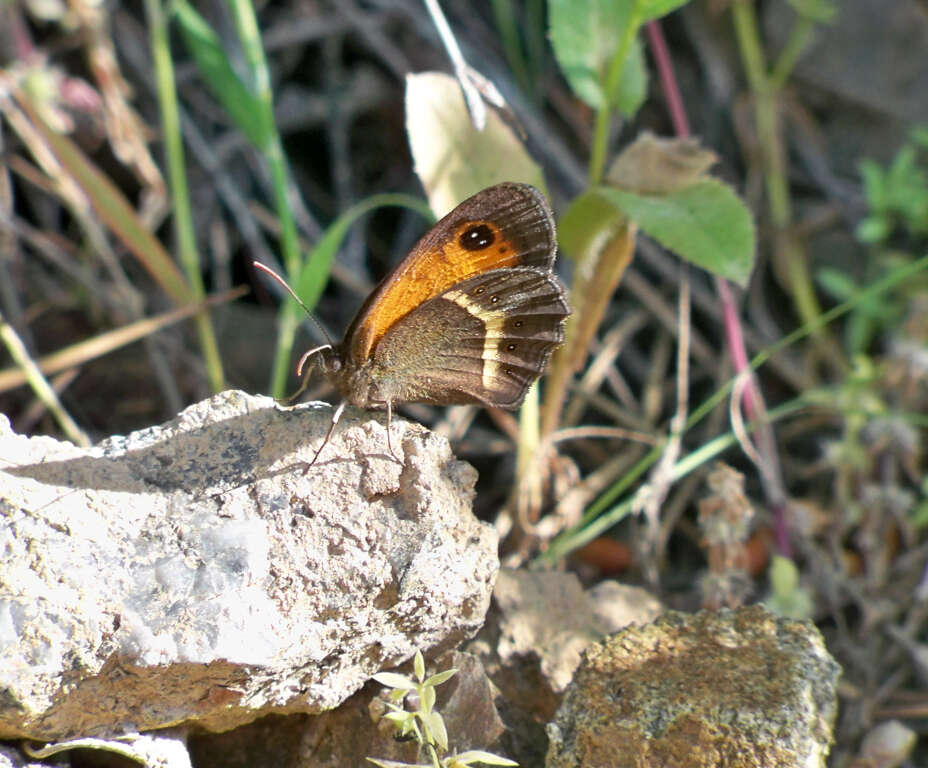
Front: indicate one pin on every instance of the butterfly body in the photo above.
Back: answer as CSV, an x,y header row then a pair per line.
x,y
484,341
471,315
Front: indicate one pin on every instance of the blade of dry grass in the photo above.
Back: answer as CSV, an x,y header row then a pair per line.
x,y
110,205
90,349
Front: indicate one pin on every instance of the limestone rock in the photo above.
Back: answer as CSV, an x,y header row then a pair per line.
x,y
730,688
539,625
198,571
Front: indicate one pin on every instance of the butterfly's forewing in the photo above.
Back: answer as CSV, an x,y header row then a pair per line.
x,y
484,341
507,225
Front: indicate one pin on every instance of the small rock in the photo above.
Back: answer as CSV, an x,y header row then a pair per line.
x,y
540,624
547,620
466,703
740,688
887,745
10,757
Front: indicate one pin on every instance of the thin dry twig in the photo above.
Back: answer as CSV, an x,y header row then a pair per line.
x,y
651,496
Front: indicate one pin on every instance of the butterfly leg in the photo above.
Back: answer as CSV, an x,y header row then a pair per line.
x,y
335,417
389,442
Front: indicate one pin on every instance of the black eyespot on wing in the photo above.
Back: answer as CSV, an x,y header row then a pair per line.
x,y
477,237
479,290
494,299
518,323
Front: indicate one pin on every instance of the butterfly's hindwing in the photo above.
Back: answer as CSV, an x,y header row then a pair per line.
x,y
483,341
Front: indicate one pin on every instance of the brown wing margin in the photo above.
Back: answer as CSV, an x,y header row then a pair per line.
x,y
514,226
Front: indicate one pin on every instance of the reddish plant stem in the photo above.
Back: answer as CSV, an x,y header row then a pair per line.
x,y
661,54
752,401
19,33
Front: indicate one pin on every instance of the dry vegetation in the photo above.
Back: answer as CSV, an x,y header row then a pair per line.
x,y
821,504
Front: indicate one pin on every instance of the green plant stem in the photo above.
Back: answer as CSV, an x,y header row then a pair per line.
x,y
250,38
535,40
578,536
788,57
508,28
602,127
177,175
788,249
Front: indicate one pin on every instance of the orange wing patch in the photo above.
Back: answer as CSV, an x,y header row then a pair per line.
x,y
474,247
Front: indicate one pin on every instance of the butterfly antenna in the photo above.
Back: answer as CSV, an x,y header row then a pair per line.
x,y
279,279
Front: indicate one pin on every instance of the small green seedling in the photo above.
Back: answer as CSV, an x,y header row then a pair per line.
x,y
424,724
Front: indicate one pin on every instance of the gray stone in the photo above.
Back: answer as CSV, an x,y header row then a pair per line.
x,y
199,571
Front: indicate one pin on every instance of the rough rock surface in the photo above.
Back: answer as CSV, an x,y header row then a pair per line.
x,y
197,571
734,688
547,620
539,625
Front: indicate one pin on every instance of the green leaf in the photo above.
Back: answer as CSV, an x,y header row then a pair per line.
x,y
858,332
654,9
479,756
874,182
314,275
440,677
393,680
418,665
838,284
919,136
427,695
705,223
600,240
399,718
585,35
787,597
204,45
784,576
918,517
633,85
436,727
589,219
873,229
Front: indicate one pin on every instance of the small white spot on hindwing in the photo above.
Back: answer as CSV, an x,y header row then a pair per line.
x,y
494,322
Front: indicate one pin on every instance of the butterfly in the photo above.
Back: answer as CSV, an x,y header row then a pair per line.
x,y
471,315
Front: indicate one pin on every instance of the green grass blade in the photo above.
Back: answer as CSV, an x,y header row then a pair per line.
x,y
239,102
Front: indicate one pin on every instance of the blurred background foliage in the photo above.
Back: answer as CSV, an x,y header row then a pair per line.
x,y
149,153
